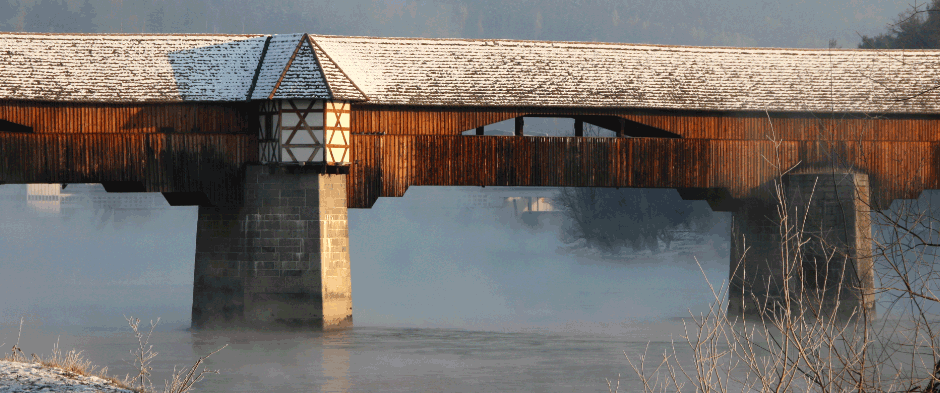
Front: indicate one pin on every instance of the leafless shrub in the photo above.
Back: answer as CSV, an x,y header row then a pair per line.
x,y
16,354
181,381
73,362
143,355
799,345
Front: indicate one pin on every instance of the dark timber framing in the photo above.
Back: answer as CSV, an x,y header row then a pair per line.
x,y
394,147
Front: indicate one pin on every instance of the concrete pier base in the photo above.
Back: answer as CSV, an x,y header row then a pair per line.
x,y
281,259
831,272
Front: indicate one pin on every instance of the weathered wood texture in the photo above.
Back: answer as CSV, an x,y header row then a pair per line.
x,y
209,163
396,147
405,120
386,165
70,117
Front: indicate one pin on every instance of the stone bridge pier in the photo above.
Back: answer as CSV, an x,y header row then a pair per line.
x,y
831,272
279,260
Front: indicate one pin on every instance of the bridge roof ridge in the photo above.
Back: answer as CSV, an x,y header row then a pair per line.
x,y
457,40
302,77
512,73
464,72
274,64
296,67
341,86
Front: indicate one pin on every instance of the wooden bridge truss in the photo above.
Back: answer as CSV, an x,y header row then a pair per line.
x,y
192,148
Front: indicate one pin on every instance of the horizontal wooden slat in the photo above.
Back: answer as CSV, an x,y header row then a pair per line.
x,y
160,162
95,118
394,147
423,120
386,165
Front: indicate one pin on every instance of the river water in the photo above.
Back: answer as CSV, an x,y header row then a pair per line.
x,y
445,299
375,359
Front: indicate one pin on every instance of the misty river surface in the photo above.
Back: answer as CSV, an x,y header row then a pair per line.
x,y
445,298
372,359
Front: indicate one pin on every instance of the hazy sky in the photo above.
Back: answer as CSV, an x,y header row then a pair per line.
x,y
674,22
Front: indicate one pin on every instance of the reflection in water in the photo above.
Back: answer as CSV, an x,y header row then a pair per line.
x,y
335,361
374,359
424,267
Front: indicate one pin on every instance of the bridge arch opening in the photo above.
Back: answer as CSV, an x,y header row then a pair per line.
x,y
603,126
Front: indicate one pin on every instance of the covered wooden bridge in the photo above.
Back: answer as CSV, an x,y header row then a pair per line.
x,y
274,137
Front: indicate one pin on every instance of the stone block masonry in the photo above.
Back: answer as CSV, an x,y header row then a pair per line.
x,y
832,272
281,259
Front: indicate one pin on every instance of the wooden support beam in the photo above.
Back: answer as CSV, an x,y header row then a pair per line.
x,y
623,126
519,125
479,130
578,127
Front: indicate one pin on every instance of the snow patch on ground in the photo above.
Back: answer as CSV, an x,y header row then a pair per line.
x,y
33,377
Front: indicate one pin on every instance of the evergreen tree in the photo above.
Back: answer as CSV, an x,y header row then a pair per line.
x,y
916,28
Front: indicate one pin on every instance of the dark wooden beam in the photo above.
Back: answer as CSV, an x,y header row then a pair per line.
x,y
9,126
615,123
578,127
195,198
622,128
124,186
519,124
479,130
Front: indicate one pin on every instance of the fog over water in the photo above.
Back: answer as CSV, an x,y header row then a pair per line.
x,y
498,304
419,261
445,298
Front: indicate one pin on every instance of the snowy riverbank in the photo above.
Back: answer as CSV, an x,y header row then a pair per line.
x,y
33,377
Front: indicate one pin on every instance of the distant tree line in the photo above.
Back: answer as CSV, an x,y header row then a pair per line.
x,y
609,219
916,28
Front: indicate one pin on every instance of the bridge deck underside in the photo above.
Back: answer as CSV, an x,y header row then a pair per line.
x,y
203,147
186,163
386,165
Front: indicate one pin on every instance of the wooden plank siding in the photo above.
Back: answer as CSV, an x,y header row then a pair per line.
x,y
71,117
404,120
209,163
386,165
394,147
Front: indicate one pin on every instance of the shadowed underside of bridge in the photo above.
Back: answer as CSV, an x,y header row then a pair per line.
x,y
385,166
197,152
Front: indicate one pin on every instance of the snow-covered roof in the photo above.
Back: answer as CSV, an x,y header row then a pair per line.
x,y
295,67
463,72
276,57
416,71
127,68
